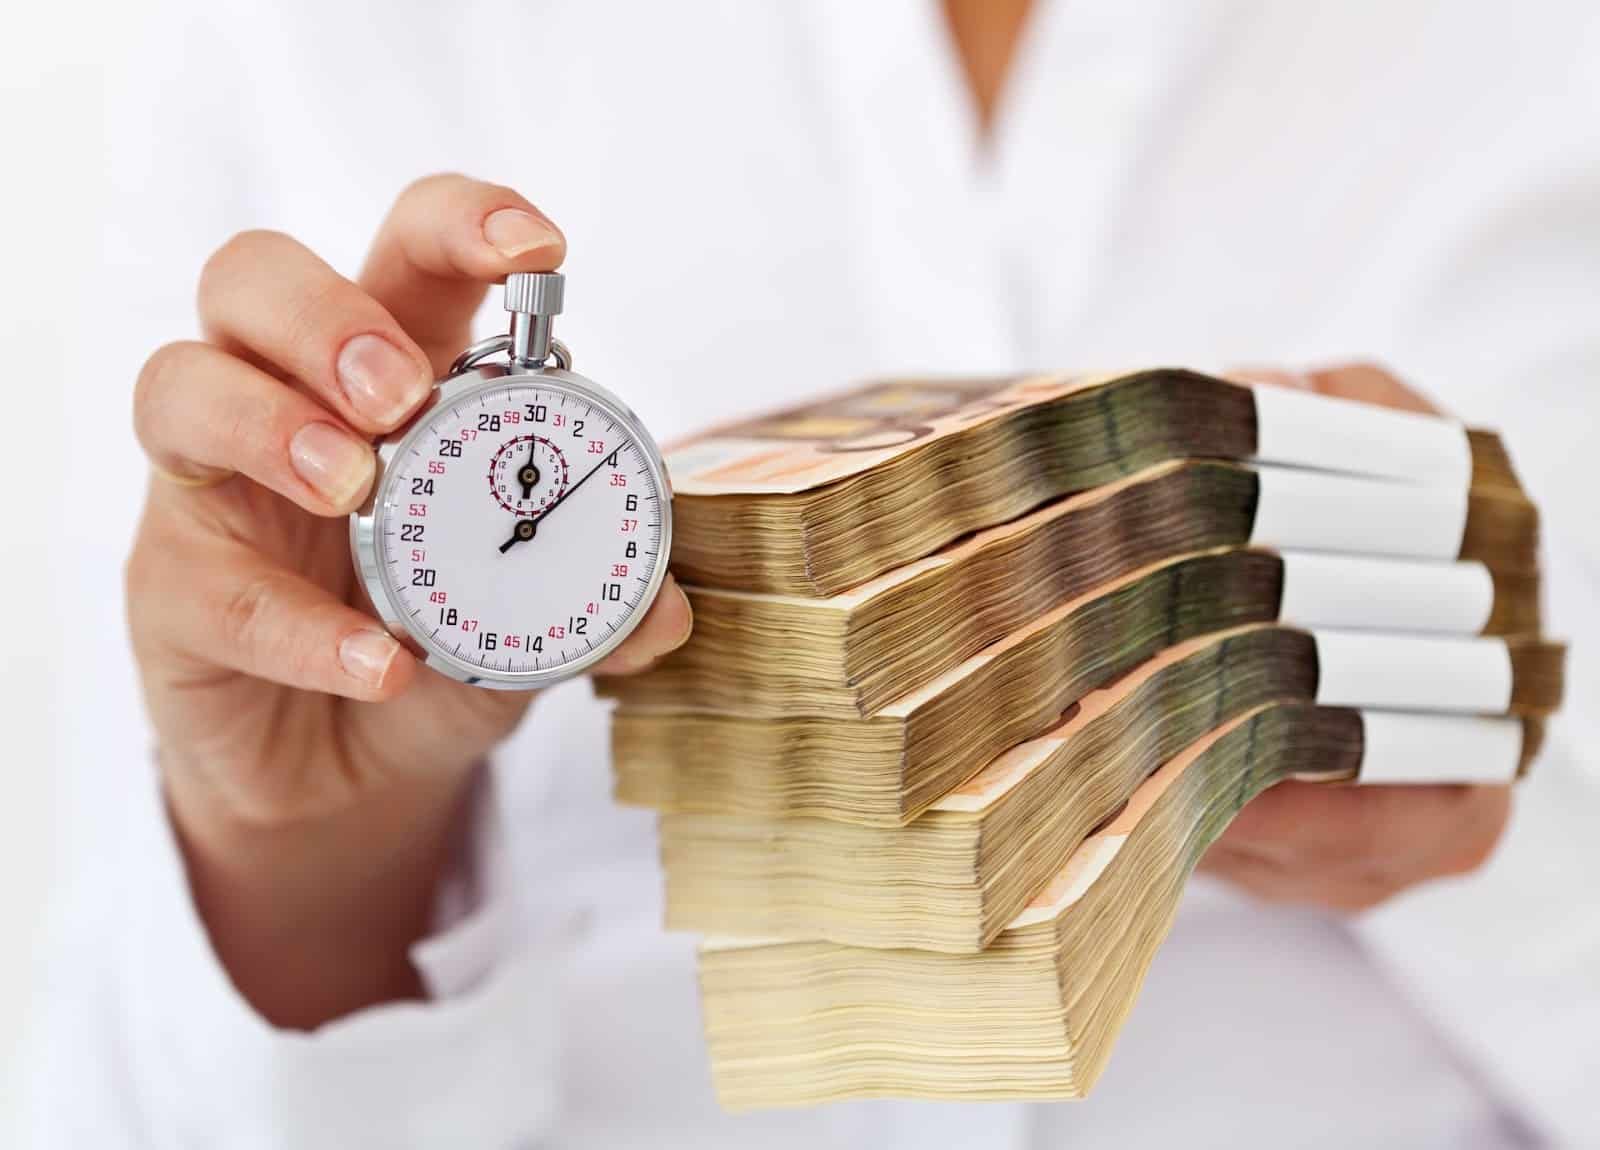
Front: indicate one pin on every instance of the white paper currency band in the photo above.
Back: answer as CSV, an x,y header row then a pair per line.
x,y
1366,593
1317,511
1412,672
1398,747
1310,430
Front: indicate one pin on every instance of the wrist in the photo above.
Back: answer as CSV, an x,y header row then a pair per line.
x,y
314,917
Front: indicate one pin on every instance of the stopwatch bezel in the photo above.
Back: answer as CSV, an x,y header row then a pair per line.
x,y
364,534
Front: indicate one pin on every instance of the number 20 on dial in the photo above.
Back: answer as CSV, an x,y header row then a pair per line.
x,y
520,526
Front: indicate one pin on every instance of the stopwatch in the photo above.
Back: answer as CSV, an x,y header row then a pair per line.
x,y
519,526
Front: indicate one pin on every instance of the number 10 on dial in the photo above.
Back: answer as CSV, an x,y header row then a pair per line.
x,y
519,527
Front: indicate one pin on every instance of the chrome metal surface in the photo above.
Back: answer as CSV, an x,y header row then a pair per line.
x,y
534,299
537,293
479,352
468,376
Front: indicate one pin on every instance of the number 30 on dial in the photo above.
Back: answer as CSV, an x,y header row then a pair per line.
x,y
519,529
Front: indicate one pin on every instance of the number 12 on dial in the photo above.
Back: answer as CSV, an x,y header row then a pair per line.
x,y
520,526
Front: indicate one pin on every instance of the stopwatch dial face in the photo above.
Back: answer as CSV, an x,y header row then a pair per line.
x,y
519,528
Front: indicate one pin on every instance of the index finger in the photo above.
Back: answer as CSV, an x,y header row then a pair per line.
x,y
1363,382
445,240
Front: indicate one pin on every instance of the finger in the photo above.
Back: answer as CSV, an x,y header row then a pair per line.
x,y
1485,814
1410,833
1271,883
445,239
199,411
1369,383
665,628
1276,376
269,298
1363,382
239,613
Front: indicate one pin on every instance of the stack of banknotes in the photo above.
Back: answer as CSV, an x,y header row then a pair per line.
x,y
980,669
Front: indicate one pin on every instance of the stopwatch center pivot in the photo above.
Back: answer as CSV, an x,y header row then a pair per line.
x,y
525,530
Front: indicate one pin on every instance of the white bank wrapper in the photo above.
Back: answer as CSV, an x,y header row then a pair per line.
x,y
1319,511
1310,430
1400,747
1363,592
1412,672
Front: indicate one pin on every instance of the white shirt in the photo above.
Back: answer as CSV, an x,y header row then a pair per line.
x,y
763,200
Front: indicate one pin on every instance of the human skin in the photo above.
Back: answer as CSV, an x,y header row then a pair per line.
x,y
315,774
1349,848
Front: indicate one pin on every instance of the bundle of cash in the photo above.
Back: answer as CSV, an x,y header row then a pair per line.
x,y
980,668
822,498
1034,1014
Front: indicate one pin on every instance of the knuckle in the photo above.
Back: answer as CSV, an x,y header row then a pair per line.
x,y
317,313
1474,847
426,187
256,623
243,610
1369,369
158,379
240,251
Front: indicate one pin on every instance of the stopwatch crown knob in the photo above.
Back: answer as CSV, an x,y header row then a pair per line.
x,y
533,299
535,293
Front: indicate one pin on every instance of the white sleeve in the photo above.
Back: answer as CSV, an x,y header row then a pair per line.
x,y
169,1053
1507,961
143,1040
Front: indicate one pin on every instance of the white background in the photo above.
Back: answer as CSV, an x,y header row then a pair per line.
x,y
49,221
49,298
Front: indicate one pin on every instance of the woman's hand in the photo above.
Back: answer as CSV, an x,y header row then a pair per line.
x,y
314,771
1350,848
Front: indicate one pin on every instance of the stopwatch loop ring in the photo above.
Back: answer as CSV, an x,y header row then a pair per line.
x,y
496,344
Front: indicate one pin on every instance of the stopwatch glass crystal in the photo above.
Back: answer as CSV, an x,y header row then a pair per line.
x,y
518,528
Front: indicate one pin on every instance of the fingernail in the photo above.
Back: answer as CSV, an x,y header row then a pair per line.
x,y
366,655
513,232
382,382
332,461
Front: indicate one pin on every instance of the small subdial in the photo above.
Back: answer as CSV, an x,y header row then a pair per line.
x,y
527,474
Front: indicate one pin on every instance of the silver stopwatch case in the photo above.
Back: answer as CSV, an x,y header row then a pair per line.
x,y
469,376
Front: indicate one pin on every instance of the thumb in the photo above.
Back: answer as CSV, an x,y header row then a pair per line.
x,y
664,629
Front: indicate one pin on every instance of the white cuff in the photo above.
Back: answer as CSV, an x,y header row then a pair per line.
x,y
475,1066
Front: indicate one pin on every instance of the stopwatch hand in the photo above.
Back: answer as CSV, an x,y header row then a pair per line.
x,y
567,494
526,529
529,475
